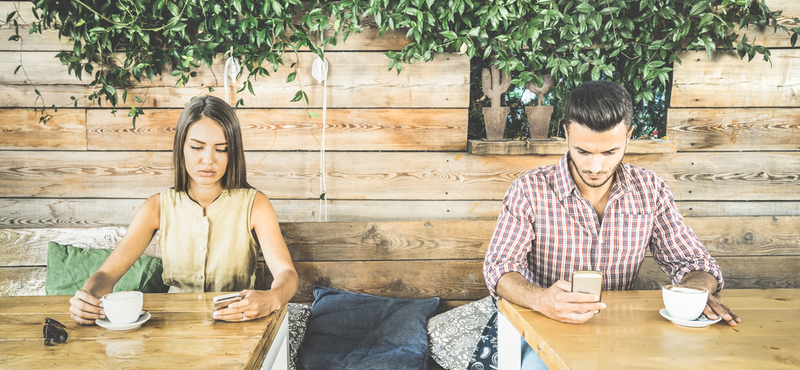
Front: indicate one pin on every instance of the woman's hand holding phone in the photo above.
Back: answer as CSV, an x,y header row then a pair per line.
x,y
250,305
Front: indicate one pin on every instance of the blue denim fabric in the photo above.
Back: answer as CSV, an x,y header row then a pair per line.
x,y
348,330
530,359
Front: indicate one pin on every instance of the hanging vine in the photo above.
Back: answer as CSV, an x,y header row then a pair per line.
x,y
121,44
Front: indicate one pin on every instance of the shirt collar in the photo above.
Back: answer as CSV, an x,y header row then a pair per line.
x,y
212,208
564,184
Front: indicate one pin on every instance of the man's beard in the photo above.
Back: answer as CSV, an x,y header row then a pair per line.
x,y
578,171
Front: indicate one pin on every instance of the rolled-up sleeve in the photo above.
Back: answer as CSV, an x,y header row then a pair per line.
x,y
675,247
511,241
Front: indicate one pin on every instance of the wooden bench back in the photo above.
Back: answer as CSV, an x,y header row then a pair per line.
x,y
420,259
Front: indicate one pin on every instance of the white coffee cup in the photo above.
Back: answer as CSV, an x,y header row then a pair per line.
x,y
123,307
684,302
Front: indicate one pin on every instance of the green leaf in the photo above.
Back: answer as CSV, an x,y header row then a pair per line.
x,y
291,77
138,99
449,34
313,114
698,8
277,7
585,8
173,8
297,96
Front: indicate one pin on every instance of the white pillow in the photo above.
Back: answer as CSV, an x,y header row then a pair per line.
x,y
454,335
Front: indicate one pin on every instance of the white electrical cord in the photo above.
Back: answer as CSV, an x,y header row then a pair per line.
x,y
319,70
232,69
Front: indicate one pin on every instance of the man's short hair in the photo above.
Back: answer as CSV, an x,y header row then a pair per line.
x,y
599,105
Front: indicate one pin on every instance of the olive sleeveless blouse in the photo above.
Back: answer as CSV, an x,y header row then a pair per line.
x,y
212,253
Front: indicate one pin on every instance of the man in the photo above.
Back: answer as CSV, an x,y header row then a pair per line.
x,y
592,212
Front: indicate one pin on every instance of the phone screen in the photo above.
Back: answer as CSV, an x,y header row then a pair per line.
x,y
223,301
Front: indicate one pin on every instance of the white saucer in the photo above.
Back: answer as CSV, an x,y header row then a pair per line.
x,y
143,317
701,322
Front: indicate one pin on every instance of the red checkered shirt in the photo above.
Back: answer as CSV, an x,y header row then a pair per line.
x,y
546,230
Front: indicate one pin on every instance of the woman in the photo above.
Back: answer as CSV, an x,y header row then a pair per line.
x,y
206,223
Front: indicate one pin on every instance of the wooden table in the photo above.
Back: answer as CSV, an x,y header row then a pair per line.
x,y
180,333
630,333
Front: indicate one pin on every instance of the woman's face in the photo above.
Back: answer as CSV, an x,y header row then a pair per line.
x,y
206,153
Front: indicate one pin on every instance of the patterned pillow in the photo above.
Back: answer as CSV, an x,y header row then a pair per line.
x,y
454,335
298,318
485,356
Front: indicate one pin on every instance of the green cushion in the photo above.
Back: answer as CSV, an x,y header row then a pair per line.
x,y
68,268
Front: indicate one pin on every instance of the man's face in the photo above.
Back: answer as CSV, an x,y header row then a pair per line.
x,y
594,155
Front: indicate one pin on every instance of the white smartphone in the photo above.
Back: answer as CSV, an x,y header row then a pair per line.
x,y
588,281
222,301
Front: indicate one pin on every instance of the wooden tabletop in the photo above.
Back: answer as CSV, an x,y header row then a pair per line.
x,y
180,333
630,333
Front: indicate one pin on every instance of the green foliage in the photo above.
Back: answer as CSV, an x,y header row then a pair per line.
x,y
578,40
120,43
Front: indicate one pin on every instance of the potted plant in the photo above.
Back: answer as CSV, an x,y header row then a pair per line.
x,y
495,116
539,115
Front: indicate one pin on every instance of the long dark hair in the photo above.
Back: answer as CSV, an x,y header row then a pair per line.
x,y
218,110
598,105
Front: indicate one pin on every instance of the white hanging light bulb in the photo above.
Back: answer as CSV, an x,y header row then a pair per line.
x,y
232,69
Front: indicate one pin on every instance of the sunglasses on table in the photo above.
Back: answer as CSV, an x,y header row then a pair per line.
x,y
54,331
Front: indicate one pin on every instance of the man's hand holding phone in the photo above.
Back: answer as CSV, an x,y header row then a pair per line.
x,y
559,303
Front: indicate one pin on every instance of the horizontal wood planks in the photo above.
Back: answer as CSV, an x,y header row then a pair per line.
x,y
387,175
726,105
411,240
293,129
734,129
728,81
43,213
748,236
20,129
66,212
448,280
22,281
738,272
375,241
355,79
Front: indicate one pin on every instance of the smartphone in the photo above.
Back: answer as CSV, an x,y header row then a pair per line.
x,y
587,281
222,301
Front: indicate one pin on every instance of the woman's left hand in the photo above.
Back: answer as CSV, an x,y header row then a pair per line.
x,y
255,304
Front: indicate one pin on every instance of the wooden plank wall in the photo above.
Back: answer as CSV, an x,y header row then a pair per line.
x,y
747,116
396,150
381,127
